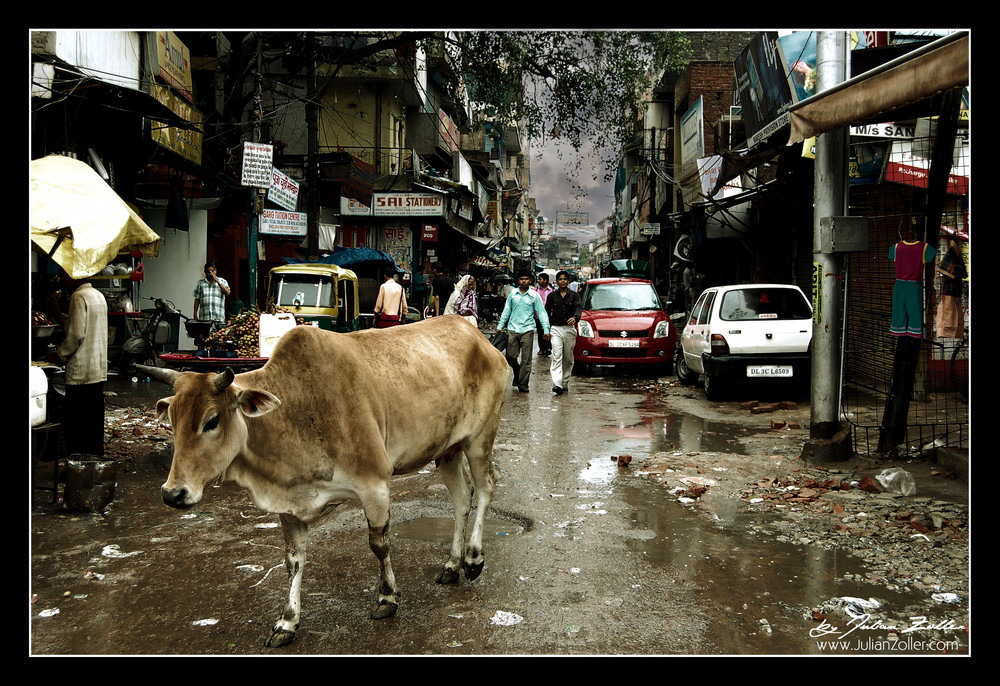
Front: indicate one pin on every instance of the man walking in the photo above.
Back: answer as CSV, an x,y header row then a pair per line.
x,y
543,289
564,308
518,320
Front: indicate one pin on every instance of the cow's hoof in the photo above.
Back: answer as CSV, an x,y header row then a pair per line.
x,y
384,610
280,637
472,571
447,576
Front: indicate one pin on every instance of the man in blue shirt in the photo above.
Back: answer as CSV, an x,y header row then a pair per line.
x,y
518,320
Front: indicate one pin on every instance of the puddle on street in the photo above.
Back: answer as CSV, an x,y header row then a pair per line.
x,y
759,591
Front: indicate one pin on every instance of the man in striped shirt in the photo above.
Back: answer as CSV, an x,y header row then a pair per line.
x,y
210,297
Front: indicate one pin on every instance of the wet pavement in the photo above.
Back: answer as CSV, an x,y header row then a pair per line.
x,y
583,556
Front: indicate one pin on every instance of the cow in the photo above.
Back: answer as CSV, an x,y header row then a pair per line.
x,y
331,417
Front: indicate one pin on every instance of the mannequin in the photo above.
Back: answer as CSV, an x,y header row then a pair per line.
x,y
910,256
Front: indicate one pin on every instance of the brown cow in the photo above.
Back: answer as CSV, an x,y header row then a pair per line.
x,y
332,417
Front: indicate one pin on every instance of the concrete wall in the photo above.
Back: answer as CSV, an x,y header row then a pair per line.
x,y
173,274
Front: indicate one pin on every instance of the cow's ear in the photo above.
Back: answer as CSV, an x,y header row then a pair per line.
x,y
254,403
163,407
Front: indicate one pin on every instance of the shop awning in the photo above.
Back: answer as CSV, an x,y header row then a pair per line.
x,y
879,95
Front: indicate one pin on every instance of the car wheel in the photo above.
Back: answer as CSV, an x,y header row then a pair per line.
x,y
685,374
714,387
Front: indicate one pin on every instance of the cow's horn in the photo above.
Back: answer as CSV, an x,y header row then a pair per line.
x,y
223,379
167,376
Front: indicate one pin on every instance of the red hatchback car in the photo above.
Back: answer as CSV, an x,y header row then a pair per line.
x,y
623,323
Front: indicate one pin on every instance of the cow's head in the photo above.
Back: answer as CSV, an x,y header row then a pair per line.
x,y
208,415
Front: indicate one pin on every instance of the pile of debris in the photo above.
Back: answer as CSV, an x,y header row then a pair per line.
x,y
907,542
130,433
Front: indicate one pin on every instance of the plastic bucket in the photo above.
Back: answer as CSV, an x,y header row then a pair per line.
x,y
90,482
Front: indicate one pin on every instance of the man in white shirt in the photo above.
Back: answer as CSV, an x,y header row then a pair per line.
x,y
85,353
390,307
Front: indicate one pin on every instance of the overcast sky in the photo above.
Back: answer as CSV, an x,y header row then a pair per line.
x,y
555,191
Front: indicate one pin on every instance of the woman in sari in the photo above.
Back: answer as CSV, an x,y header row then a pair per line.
x,y
463,300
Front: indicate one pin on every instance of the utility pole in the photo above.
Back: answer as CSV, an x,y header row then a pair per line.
x,y
830,197
312,153
257,196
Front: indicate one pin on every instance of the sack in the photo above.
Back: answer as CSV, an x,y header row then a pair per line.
x,y
499,341
272,327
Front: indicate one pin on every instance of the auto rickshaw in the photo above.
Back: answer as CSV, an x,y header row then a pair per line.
x,y
322,293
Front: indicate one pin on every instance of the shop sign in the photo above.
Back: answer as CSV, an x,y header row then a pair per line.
x,y
171,60
183,142
407,205
429,232
284,190
916,176
257,165
354,208
884,131
283,223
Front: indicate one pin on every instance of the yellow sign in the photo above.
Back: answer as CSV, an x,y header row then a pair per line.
x,y
185,143
172,62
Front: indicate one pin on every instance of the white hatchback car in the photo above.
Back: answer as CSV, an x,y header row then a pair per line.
x,y
745,334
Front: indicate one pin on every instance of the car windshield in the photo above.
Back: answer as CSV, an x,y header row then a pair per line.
x,y
305,290
764,303
621,296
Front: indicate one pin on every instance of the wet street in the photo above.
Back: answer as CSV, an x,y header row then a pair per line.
x,y
586,553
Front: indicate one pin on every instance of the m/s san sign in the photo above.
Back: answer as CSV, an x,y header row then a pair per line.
x,y
884,131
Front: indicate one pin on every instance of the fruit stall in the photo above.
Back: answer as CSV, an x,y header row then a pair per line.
x,y
245,343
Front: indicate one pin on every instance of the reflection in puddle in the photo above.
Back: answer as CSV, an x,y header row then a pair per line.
x,y
676,432
439,529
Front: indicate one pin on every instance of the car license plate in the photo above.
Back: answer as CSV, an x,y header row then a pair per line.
x,y
769,370
623,344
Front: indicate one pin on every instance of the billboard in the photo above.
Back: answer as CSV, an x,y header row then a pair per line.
x,y
764,87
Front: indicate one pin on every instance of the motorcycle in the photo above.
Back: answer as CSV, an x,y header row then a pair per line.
x,y
146,345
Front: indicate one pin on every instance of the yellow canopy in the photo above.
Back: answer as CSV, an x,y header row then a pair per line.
x,y
68,198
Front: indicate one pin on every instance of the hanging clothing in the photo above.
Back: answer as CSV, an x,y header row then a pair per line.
x,y
950,319
907,293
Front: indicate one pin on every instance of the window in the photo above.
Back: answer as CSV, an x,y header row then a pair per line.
x,y
706,309
621,296
764,303
304,290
